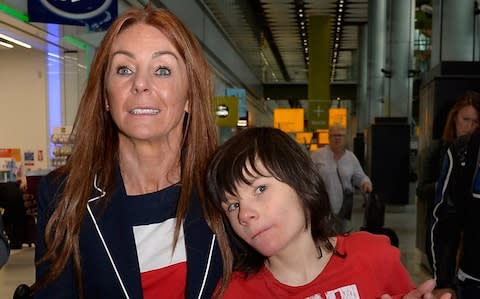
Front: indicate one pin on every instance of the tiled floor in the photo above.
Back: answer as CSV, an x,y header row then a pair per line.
x,y
402,219
19,269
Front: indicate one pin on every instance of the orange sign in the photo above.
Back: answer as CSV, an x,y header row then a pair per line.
x,y
322,136
11,153
304,137
337,116
288,120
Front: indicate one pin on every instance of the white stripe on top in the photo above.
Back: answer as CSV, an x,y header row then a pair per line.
x,y
154,245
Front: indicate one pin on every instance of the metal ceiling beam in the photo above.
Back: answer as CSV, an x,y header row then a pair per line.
x,y
302,28
259,20
299,91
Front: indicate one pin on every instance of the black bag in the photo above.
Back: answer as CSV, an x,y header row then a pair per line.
x,y
347,203
347,206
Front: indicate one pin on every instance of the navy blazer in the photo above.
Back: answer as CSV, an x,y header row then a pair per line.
x,y
100,279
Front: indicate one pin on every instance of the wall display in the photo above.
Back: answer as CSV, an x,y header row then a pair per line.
x,y
63,142
10,162
29,158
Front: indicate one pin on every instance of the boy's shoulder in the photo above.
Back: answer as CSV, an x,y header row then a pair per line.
x,y
367,248
244,285
363,240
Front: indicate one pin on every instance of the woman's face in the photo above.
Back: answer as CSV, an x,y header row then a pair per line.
x,y
337,140
466,121
146,85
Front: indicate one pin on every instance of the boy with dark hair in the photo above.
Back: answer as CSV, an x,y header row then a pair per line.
x,y
281,225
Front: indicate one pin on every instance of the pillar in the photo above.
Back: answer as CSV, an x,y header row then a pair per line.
x,y
399,57
362,99
453,31
376,57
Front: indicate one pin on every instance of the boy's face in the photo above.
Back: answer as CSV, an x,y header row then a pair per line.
x,y
267,214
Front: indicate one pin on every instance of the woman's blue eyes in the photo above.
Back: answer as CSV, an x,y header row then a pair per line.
x,y
123,70
161,71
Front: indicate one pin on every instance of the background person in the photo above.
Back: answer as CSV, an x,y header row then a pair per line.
x,y
123,218
341,171
462,120
14,215
4,246
455,238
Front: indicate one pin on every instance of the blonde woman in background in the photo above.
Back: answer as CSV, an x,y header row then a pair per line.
x,y
341,171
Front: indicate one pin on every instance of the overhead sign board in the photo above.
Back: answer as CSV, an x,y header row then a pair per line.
x,y
226,111
288,119
337,116
96,14
241,95
317,114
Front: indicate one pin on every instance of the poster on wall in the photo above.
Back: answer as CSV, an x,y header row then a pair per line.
x,y
12,153
96,14
10,162
29,158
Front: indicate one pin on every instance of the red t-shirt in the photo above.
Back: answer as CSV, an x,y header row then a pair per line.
x,y
371,268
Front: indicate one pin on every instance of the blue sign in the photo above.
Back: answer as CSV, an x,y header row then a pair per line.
x,y
96,14
241,95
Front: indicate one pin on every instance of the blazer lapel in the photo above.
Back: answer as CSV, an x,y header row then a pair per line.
x,y
118,235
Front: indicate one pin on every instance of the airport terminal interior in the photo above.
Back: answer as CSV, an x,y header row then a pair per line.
x,y
386,70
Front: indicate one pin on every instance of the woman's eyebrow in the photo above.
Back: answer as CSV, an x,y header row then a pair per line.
x,y
166,52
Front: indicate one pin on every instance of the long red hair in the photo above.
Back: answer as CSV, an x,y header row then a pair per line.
x,y
469,98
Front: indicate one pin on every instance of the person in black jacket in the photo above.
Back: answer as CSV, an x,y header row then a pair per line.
x,y
456,213
4,247
463,119
15,215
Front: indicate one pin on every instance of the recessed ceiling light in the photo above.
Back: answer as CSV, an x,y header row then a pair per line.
x,y
6,45
15,41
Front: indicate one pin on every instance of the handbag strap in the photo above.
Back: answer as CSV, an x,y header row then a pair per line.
x,y
340,178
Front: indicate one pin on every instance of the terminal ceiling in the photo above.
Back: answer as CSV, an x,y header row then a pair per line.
x,y
272,36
